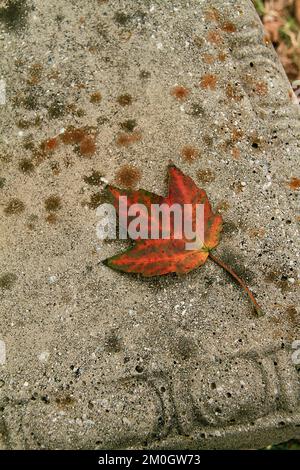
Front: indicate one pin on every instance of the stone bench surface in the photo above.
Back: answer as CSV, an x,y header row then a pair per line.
x,y
112,91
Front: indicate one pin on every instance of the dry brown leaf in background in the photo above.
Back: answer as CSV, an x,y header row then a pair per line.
x,y
287,60
272,25
273,18
281,19
297,10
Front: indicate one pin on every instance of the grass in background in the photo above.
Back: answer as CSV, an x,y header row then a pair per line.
x,y
290,445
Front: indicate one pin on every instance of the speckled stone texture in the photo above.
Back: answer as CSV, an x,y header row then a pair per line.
x,y
111,91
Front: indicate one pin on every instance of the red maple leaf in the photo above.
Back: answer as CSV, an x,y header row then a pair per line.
x,y
155,257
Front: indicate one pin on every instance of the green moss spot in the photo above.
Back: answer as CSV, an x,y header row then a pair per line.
x,y
53,203
7,280
56,109
94,179
121,18
30,101
29,144
124,100
113,343
15,206
196,110
128,125
95,201
144,74
14,14
26,165
23,124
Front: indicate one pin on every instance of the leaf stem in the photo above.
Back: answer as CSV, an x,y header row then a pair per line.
x,y
240,281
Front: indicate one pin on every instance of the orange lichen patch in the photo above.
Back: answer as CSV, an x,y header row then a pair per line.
x,y
51,218
128,176
228,27
248,79
52,203
64,402
232,93
222,56
73,135
208,81
223,206
124,139
35,74
93,49
208,58
226,146
236,153
96,97
237,187
87,146
261,88
14,206
257,232
189,153
215,38
80,86
124,100
237,134
294,184
180,92
293,315
53,75
206,176
212,15
84,140
50,145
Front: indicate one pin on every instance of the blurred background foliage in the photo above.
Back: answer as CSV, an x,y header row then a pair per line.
x,y
281,19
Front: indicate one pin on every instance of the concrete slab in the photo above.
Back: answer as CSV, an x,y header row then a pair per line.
x,y
111,91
